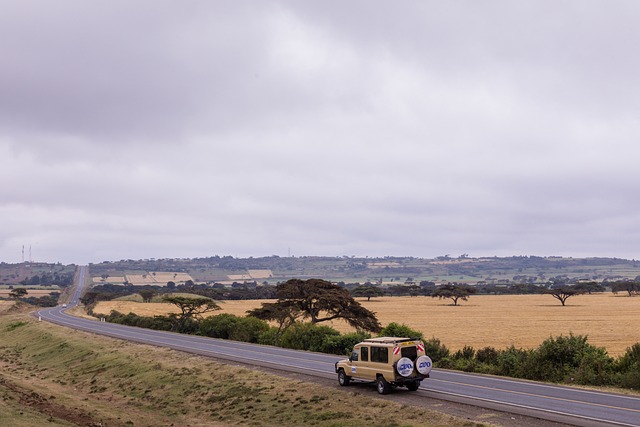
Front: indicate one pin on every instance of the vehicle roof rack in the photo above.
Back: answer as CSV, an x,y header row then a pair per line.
x,y
390,340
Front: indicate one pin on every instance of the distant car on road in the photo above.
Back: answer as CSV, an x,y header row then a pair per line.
x,y
64,305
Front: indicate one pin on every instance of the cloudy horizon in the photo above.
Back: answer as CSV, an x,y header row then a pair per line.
x,y
157,129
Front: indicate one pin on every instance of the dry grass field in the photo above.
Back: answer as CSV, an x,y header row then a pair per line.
x,y
4,293
152,278
5,305
162,277
500,321
110,279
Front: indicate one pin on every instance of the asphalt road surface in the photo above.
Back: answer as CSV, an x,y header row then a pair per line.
x,y
550,402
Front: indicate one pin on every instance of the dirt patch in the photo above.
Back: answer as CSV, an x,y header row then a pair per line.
x,y
47,405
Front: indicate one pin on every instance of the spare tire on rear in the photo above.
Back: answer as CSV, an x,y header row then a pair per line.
x,y
404,366
424,364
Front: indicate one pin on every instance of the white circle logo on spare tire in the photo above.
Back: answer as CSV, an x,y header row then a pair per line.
x,y
405,367
424,364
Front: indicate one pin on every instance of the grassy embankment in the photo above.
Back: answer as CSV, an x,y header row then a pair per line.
x,y
50,375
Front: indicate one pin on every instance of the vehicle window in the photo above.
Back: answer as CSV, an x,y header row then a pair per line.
x,y
364,352
354,356
410,352
380,354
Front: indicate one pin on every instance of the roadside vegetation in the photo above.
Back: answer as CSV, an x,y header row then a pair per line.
x,y
561,359
50,375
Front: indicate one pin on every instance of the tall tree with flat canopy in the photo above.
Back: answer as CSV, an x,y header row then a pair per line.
x,y
454,292
562,293
319,301
190,309
367,291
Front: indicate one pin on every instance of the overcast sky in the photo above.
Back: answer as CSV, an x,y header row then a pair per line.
x,y
167,129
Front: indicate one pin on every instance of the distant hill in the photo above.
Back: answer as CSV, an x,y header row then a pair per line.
x,y
386,270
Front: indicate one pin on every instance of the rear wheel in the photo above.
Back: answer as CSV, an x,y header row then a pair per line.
x,y
343,378
383,386
413,386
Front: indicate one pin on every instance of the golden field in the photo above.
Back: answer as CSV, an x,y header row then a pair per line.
x,y
4,293
499,321
5,305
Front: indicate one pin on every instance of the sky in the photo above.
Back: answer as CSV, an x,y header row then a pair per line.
x,y
166,129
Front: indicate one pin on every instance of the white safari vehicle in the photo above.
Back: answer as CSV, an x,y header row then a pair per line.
x,y
389,361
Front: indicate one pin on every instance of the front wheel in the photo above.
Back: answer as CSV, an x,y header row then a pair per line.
x,y
383,386
343,378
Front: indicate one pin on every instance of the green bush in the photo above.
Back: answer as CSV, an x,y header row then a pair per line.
x,y
219,326
342,344
628,367
269,337
513,362
396,330
630,360
568,358
436,350
306,336
161,323
487,355
467,353
596,367
229,326
249,329
463,364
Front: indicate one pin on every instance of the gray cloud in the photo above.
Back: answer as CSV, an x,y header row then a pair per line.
x,y
157,129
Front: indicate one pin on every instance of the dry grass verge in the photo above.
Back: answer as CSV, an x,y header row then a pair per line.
x,y
70,374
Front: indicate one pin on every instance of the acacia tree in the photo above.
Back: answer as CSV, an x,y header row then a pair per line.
x,y
589,287
367,291
18,293
319,301
190,309
147,294
631,287
454,292
562,293
284,315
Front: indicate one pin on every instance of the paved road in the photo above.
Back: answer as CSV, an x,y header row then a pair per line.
x,y
555,403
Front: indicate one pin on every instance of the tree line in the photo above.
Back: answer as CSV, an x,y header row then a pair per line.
x,y
50,300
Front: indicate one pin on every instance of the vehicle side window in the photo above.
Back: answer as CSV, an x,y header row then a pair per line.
x,y
380,354
354,356
410,352
364,352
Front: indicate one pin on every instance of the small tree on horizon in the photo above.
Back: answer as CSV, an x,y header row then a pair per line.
x,y
18,293
563,293
454,292
367,291
147,294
